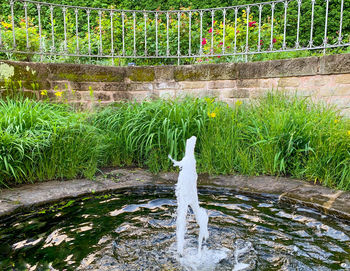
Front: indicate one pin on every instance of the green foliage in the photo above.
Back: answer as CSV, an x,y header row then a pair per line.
x,y
43,141
21,38
75,42
275,135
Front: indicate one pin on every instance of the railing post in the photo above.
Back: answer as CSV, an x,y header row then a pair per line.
x,y
272,18
134,26
312,23
284,45
178,38
341,22
25,4
235,44
325,41
223,30
100,48
76,11
112,36
13,25
145,19
52,31
259,31
297,45
40,35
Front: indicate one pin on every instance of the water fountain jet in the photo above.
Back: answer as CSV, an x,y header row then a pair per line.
x,y
186,195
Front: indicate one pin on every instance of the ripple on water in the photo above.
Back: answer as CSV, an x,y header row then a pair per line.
x,y
136,231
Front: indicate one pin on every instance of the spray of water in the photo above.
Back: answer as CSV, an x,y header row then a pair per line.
x,y
186,194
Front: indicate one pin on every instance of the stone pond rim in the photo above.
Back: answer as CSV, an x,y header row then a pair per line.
x,y
326,200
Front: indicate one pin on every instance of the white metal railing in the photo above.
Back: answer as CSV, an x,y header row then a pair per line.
x,y
47,29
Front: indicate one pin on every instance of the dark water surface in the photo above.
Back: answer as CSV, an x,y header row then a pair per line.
x,y
135,230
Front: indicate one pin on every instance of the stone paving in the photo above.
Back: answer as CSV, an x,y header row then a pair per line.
x,y
291,191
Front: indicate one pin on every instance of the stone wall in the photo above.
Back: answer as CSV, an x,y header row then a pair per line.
x,y
320,78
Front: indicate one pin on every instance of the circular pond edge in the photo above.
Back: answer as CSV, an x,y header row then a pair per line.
x,y
329,201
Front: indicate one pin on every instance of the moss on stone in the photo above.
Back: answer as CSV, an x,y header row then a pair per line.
x,y
142,74
91,77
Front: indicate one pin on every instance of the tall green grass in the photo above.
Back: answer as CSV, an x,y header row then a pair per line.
x,y
276,135
43,141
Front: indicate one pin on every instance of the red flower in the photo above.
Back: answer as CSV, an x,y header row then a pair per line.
x,y
221,43
210,30
237,31
274,40
228,47
204,41
219,56
252,24
261,42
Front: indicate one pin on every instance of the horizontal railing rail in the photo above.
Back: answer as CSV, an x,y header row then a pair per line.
x,y
32,30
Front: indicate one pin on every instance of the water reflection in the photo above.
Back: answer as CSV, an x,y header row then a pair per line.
x,y
136,231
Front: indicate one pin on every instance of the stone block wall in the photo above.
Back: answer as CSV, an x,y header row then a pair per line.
x,y
324,79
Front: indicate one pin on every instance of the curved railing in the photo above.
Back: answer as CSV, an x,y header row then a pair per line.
x,y
32,30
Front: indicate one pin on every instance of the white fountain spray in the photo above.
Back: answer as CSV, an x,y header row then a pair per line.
x,y
186,194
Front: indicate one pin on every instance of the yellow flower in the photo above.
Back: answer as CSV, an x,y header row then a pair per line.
x,y
58,93
212,115
6,25
349,133
336,121
44,93
238,102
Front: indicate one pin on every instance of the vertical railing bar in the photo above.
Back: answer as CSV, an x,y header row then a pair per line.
x,y
52,30
312,23
156,17
167,33
134,26
145,19
100,48
123,33
272,18
298,25
13,25
178,38
247,33
284,45
40,35
25,4
223,30
0,37
65,29
89,35
112,37
189,32
201,34
325,28
235,44
212,32
77,30
259,31
341,22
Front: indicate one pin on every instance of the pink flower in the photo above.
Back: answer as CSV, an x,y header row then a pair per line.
x,y
221,43
200,60
261,42
237,31
210,30
228,47
252,24
274,40
204,41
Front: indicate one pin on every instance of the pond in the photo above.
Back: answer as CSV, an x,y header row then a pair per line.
x,y
134,229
